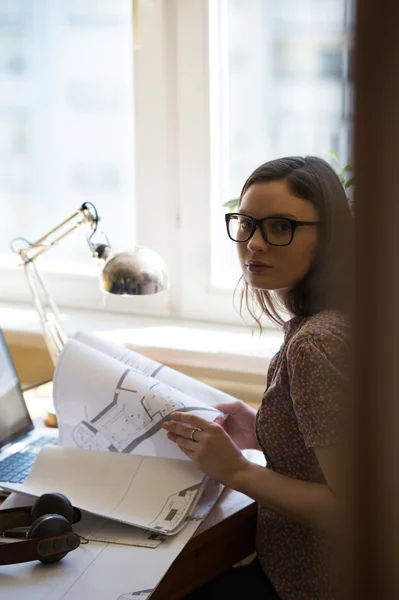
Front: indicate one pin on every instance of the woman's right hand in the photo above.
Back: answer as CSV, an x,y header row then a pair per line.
x,y
239,423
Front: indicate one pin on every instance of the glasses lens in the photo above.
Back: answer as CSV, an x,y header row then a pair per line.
x,y
240,228
277,231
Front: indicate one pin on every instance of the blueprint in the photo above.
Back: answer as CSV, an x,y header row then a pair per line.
x,y
98,529
123,465
152,493
197,389
139,595
95,571
130,418
99,570
105,404
175,509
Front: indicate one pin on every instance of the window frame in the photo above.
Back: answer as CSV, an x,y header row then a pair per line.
x,y
172,177
201,165
179,171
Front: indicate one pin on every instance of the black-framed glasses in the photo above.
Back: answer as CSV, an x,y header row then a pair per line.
x,y
276,231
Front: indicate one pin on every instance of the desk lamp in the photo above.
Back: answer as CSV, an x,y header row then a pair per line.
x,y
136,272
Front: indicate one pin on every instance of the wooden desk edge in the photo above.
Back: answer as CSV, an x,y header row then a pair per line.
x,y
209,553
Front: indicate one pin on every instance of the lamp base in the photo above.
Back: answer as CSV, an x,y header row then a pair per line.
x,y
50,419
40,404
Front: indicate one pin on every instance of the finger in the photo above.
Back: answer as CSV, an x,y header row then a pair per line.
x,y
191,419
181,430
187,452
226,407
182,442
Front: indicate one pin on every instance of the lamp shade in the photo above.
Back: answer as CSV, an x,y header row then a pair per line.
x,y
137,272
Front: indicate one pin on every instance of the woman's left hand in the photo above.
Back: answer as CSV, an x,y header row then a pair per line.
x,y
208,445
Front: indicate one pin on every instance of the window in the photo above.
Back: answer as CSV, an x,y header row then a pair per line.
x,y
66,115
282,89
66,126
219,87
331,62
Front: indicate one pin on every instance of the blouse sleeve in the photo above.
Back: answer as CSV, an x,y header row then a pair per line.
x,y
316,374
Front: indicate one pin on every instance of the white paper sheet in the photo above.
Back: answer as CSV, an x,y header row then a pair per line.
x,y
153,493
101,571
95,571
96,529
194,388
101,403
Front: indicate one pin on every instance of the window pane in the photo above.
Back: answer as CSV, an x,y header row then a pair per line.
x,y
66,119
279,86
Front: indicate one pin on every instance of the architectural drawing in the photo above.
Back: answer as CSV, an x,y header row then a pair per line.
x,y
129,419
141,595
174,510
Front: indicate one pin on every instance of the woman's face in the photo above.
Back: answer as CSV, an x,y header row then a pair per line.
x,y
279,268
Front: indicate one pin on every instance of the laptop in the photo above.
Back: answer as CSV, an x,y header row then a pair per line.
x,y
20,440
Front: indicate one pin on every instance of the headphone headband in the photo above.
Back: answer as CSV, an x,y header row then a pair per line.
x,y
41,549
46,528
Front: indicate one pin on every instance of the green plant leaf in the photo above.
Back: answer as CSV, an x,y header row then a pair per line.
x,y
231,204
350,182
334,155
347,168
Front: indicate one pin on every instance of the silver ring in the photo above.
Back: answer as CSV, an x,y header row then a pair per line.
x,y
192,435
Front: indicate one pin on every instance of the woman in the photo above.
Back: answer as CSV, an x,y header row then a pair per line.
x,y
293,231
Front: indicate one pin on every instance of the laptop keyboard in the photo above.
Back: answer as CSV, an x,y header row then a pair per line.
x,y
16,467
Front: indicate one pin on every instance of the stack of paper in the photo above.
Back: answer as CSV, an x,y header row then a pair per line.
x,y
114,458
110,569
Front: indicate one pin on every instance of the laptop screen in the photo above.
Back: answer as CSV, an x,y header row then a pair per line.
x,y
14,416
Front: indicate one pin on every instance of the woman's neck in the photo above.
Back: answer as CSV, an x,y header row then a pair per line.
x,y
282,296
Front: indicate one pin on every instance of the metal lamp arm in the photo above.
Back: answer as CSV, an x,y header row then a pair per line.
x,y
138,272
83,215
54,335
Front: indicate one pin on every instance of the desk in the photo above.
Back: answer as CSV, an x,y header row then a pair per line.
x,y
225,537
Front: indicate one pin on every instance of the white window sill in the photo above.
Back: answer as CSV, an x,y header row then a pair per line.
x,y
188,344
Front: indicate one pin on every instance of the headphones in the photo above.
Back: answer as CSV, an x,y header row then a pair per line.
x,y
46,526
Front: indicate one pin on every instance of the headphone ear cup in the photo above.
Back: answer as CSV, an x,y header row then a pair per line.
x,y
49,526
53,504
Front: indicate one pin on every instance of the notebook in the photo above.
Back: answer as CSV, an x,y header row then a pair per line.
x,y
20,440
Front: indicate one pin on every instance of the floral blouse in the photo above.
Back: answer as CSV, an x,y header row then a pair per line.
x,y
299,411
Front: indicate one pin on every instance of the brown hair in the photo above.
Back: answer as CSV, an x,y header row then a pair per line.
x,y
327,284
